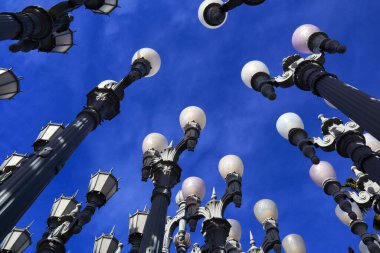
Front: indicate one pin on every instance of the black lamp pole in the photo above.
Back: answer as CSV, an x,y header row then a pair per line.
x,y
19,191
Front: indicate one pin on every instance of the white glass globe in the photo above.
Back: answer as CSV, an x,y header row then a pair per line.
x,y
252,68
201,10
265,209
229,164
190,114
106,84
363,248
294,243
193,186
154,141
319,173
179,197
343,216
235,230
301,37
287,122
150,55
372,142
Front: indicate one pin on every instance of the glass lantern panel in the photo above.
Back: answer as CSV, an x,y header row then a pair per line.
x,y
61,49
104,183
50,131
65,38
137,223
105,244
63,206
9,85
17,241
106,9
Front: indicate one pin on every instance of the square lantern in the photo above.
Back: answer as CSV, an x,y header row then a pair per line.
x,y
106,244
137,222
62,206
103,183
58,42
102,6
16,241
12,163
46,134
9,84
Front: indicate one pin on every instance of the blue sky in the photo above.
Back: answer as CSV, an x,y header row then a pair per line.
x,y
199,67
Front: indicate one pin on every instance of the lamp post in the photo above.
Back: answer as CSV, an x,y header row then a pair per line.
x,y
347,139
47,30
66,217
20,190
213,13
136,229
160,164
17,240
308,74
107,244
215,227
348,212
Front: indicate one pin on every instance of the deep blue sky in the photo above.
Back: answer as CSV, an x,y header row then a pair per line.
x,y
199,67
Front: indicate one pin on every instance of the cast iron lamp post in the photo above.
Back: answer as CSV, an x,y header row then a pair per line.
x,y
47,30
107,244
160,164
292,243
17,240
9,84
34,173
66,217
347,139
348,212
213,13
136,228
215,227
308,74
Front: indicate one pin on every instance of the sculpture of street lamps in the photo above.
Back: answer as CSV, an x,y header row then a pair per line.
x,y
66,217
9,84
348,212
308,74
213,13
47,30
347,139
160,164
215,227
107,244
20,190
17,240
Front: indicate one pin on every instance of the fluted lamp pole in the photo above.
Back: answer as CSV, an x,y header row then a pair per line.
x,y
347,139
47,30
66,220
17,240
107,243
308,74
20,190
160,164
213,13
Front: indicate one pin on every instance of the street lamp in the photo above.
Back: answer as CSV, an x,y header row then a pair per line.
x,y
103,103
136,228
10,165
47,30
324,176
215,228
213,13
308,74
67,220
9,84
160,164
17,240
107,244
347,139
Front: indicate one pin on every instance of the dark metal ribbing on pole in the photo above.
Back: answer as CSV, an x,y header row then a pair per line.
x,y
10,27
22,189
357,105
154,229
